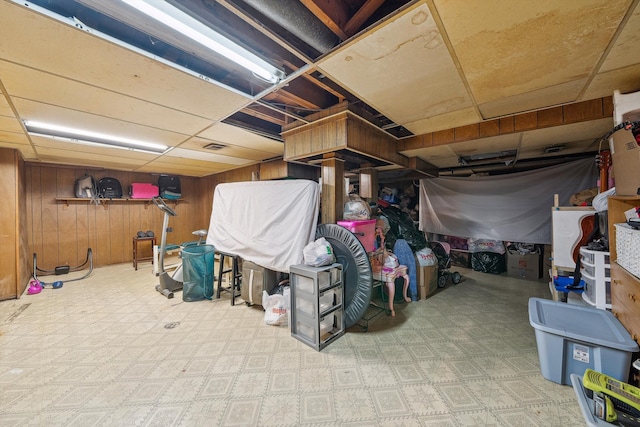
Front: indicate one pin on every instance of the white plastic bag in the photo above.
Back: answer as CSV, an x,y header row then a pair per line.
x,y
390,260
275,309
356,209
318,253
426,257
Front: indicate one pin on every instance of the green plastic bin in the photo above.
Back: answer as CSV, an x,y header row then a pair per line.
x,y
197,273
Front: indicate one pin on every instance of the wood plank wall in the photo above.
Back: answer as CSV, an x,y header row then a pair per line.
x,y
25,268
8,224
60,233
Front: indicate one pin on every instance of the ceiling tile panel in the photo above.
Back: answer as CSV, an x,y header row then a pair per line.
x,y
230,151
575,132
10,124
625,80
449,120
47,44
625,51
54,90
403,69
546,96
227,134
78,119
486,145
507,48
60,155
206,156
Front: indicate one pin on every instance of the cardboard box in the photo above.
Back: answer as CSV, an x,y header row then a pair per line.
x,y
625,156
524,266
427,277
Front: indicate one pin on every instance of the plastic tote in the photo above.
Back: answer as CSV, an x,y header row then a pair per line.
x,y
197,271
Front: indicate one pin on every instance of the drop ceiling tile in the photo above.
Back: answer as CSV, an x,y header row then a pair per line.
x,y
155,167
79,150
206,156
625,80
58,91
575,132
625,51
65,50
528,45
486,145
13,138
444,121
403,69
5,109
238,153
232,135
94,159
536,99
81,120
439,155
10,124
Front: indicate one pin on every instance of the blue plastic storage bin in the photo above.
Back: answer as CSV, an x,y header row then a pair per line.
x,y
572,338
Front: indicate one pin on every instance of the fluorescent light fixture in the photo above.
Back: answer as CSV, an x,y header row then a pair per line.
x,y
199,32
85,137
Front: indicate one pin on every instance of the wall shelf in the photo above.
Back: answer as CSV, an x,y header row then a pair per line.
x,y
106,202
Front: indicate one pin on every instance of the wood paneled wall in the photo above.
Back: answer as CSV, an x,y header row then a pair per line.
x,y
14,268
61,232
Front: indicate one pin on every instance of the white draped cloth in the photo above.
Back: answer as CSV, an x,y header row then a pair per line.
x,y
514,207
265,222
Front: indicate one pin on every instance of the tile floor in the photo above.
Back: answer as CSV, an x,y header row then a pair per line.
x,y
111,351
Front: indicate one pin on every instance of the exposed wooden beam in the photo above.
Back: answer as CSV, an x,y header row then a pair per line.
x,y
358,18
333,14
328,88
265,114
422,167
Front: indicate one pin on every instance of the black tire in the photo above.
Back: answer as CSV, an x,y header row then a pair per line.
x,y
442,281
456,278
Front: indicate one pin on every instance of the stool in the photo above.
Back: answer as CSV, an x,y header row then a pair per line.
x,y
136,258
236,276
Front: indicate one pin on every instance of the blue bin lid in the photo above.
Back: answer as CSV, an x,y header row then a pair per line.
x,y
587,324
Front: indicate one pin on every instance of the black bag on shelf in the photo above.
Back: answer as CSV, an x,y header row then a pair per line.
x,y
109,188
169,186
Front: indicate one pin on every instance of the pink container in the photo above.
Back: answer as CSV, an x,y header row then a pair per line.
x,y
143,190
365,231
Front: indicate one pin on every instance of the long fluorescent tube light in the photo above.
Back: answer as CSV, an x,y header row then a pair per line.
x,y
80,136
197,31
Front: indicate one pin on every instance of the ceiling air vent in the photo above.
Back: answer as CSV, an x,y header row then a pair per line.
x,y
214,146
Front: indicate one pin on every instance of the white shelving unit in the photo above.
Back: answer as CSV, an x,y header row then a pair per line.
x,y
595,269
317,309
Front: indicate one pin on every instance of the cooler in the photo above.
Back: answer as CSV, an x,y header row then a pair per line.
x,y
572,338
365,231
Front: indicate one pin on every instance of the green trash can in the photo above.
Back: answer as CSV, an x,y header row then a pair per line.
x,y
197,273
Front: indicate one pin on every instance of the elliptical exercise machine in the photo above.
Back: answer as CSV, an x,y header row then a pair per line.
x,y
168,284
171,283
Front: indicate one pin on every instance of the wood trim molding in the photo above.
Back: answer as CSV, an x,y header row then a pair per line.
x,y
594,109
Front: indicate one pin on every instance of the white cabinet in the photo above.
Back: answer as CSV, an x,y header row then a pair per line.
x,y
317,304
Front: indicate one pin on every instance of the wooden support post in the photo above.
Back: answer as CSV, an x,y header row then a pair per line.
x,y
369,183
333,192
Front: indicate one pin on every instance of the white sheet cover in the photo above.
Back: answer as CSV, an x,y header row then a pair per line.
x,y
514,207
265,222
